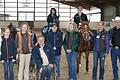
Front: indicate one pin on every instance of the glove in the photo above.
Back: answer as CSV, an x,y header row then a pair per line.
x,y
2,61
41,69
13,60
68,51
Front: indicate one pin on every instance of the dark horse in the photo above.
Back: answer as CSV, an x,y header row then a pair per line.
x,y
84,44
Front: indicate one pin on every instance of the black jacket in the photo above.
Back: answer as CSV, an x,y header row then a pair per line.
x,y
8,49
78,18
53,19
55,40
37,57
115,36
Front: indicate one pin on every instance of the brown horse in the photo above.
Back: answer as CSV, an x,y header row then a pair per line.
x,y
84,44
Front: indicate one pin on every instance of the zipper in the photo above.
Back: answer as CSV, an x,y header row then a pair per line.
x,y
7,48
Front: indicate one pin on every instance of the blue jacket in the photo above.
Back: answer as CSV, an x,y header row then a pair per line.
x,y
37,57
101,41
55,40
8,49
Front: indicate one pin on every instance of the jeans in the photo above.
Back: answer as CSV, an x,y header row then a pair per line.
x,y
46,73
56,69
115,54
57,64
8,67
98,56
71,59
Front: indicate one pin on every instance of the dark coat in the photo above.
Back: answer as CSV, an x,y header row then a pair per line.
x,y
55,40
53,19
78,19
8,49
101,41
34,38
37,57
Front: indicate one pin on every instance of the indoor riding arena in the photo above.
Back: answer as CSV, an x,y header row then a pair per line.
x,y
81,39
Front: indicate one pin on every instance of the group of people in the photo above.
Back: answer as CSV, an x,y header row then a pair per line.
x,y
46,50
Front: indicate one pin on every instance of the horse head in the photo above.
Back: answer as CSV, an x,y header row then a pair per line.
x,y
84,30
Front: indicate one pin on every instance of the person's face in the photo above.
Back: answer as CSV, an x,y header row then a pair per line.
x,y
80,8
70,27
41,41
24,28
100,26
118,23
54,28
53,11
7,33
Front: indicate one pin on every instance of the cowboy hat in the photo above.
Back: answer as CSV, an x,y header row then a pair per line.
x,y
117,18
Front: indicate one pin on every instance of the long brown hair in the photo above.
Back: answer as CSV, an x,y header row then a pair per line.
x,y
24,23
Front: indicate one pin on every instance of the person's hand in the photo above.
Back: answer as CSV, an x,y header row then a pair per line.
x,y
41,69
18,50
106,54
68,50
54,48
30,49
51,65
2,61
17,56
13,60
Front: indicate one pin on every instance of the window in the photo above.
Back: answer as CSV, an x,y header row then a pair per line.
x,y
25,16
36,10
10,9
40,10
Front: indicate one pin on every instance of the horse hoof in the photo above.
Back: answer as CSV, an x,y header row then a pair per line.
x,y
80,65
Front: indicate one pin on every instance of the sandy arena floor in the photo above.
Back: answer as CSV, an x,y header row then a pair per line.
x,y
81,76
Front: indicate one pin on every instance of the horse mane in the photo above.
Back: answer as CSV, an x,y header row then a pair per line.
x,y
85,23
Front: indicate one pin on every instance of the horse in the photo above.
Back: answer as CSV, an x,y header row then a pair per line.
x,y
84,44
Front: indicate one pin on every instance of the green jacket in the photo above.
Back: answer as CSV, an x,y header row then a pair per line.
x,y
75,41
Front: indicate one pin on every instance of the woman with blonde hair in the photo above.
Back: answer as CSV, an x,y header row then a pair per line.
x,y
71,48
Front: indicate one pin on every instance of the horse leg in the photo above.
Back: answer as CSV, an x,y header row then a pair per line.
x,y
87,61
78,61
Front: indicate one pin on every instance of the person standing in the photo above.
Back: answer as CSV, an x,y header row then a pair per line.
x,y
8,56
54,38
115,51
80,16
101,48
33,35
44,58
0,42
71,48
24,48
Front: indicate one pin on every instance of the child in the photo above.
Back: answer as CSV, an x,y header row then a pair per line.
x,y
8,50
